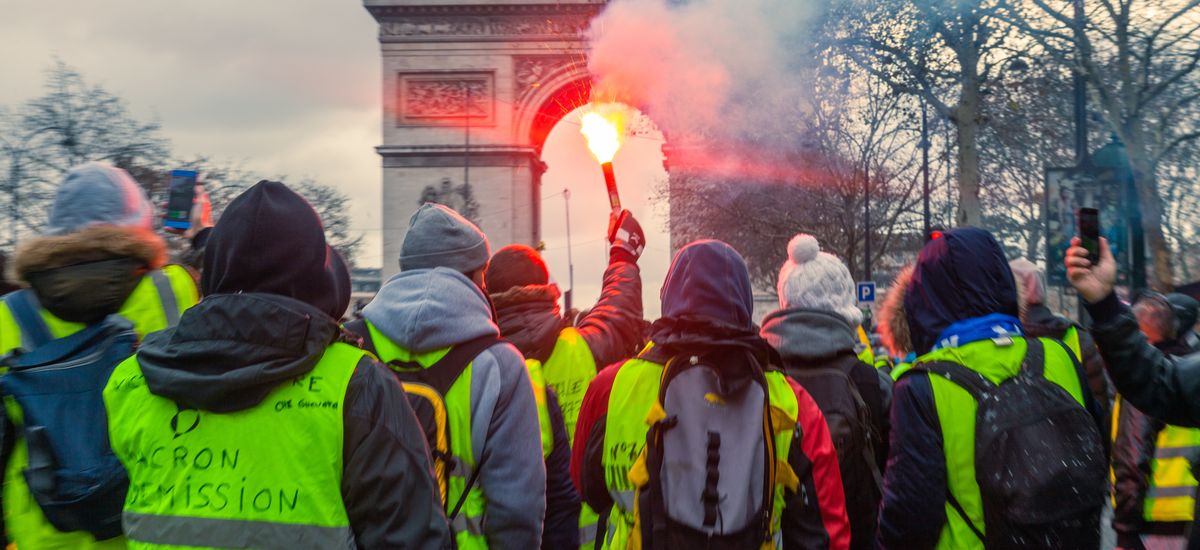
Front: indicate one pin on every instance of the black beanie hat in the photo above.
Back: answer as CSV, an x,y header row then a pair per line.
x,y
270,240
513,266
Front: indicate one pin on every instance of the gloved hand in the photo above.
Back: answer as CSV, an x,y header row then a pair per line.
x,y
625,236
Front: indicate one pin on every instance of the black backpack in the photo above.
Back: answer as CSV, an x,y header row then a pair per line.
x,y
72,473
1039,459
710,464
846,413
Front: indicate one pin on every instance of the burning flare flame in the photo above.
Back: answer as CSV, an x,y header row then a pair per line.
x,y
603,127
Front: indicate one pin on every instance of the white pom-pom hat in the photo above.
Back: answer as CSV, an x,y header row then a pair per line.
x,y
811,279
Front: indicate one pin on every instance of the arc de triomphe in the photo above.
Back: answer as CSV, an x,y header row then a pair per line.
x,y
497,75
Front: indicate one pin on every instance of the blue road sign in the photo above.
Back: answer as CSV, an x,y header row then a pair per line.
x,y
866,291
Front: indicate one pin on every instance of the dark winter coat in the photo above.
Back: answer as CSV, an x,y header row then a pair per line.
x,y
811,340
706,301
961,276
1157,387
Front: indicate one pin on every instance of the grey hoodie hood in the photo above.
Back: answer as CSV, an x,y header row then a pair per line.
x,y
428,309
808,335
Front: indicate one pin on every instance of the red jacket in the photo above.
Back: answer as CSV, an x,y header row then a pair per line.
x,y
816,523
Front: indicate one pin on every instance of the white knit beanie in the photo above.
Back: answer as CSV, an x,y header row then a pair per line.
x,y
812,279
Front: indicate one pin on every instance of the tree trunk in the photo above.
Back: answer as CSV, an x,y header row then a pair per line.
x,y
966,122
1150,202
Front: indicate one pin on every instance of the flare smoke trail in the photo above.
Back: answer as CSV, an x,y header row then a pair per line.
x,y
705,68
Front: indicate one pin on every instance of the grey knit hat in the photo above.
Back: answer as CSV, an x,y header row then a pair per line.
x,y
440,237
812,279
97,193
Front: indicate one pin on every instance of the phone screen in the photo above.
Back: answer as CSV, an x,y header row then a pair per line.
x,y
1089,232
181,195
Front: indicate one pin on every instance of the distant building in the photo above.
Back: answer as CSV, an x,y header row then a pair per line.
x,y
364,284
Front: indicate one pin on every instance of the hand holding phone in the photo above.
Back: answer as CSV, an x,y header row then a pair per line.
x,y
1088,222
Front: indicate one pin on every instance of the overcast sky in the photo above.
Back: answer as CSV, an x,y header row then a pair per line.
x,y
293,87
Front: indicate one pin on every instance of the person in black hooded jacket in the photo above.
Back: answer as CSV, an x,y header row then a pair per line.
x,y
1146,482
1158,384
273,293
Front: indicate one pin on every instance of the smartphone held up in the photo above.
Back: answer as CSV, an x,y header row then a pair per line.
x,y
1088,222
181,196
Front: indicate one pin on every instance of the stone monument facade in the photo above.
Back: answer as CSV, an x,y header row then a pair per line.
x,y
470,92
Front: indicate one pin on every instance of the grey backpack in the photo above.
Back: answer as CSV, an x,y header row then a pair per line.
x,y
710,459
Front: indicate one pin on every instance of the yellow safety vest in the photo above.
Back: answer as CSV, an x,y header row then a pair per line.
x,y
569,370
1171,489
155,304
265,477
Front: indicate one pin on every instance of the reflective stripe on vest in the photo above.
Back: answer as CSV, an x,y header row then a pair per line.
x,y
956,416
146,308
232,479
1171,495
634,392
233,533
539,397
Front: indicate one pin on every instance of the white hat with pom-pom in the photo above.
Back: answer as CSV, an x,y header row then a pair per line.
x,y
815,280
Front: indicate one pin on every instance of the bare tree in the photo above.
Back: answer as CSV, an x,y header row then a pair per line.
x,y
942,51
1140,60
71,123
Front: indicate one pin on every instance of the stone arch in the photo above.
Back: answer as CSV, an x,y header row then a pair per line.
x,y
493,70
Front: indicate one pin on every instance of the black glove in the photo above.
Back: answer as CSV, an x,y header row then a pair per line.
x,y
625,236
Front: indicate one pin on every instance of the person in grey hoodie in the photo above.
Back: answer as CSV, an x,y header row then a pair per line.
x,y
814,332
434,304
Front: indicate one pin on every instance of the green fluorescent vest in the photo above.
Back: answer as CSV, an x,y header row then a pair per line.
x,y
211,480
568,371
956,415
634,393
147,308
468,526
1171,491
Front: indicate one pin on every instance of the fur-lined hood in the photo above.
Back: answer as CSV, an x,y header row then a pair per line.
x,y
529,318
102,242
526,294
893,323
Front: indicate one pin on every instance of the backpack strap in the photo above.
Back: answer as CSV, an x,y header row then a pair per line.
x,y
963,514
1034,363
976,384
25,309
441,375
359,328
166,296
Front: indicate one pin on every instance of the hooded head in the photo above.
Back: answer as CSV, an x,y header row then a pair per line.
x,y
811,279
708,282
439,237
960,276
515,265
270,240
94,247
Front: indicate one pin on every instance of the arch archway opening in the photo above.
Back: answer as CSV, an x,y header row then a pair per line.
x,y
641,179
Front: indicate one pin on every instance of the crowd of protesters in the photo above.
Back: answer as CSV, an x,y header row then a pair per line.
x,y
224,402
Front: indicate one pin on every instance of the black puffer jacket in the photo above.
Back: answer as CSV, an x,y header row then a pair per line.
x,y
1162,386
809,341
